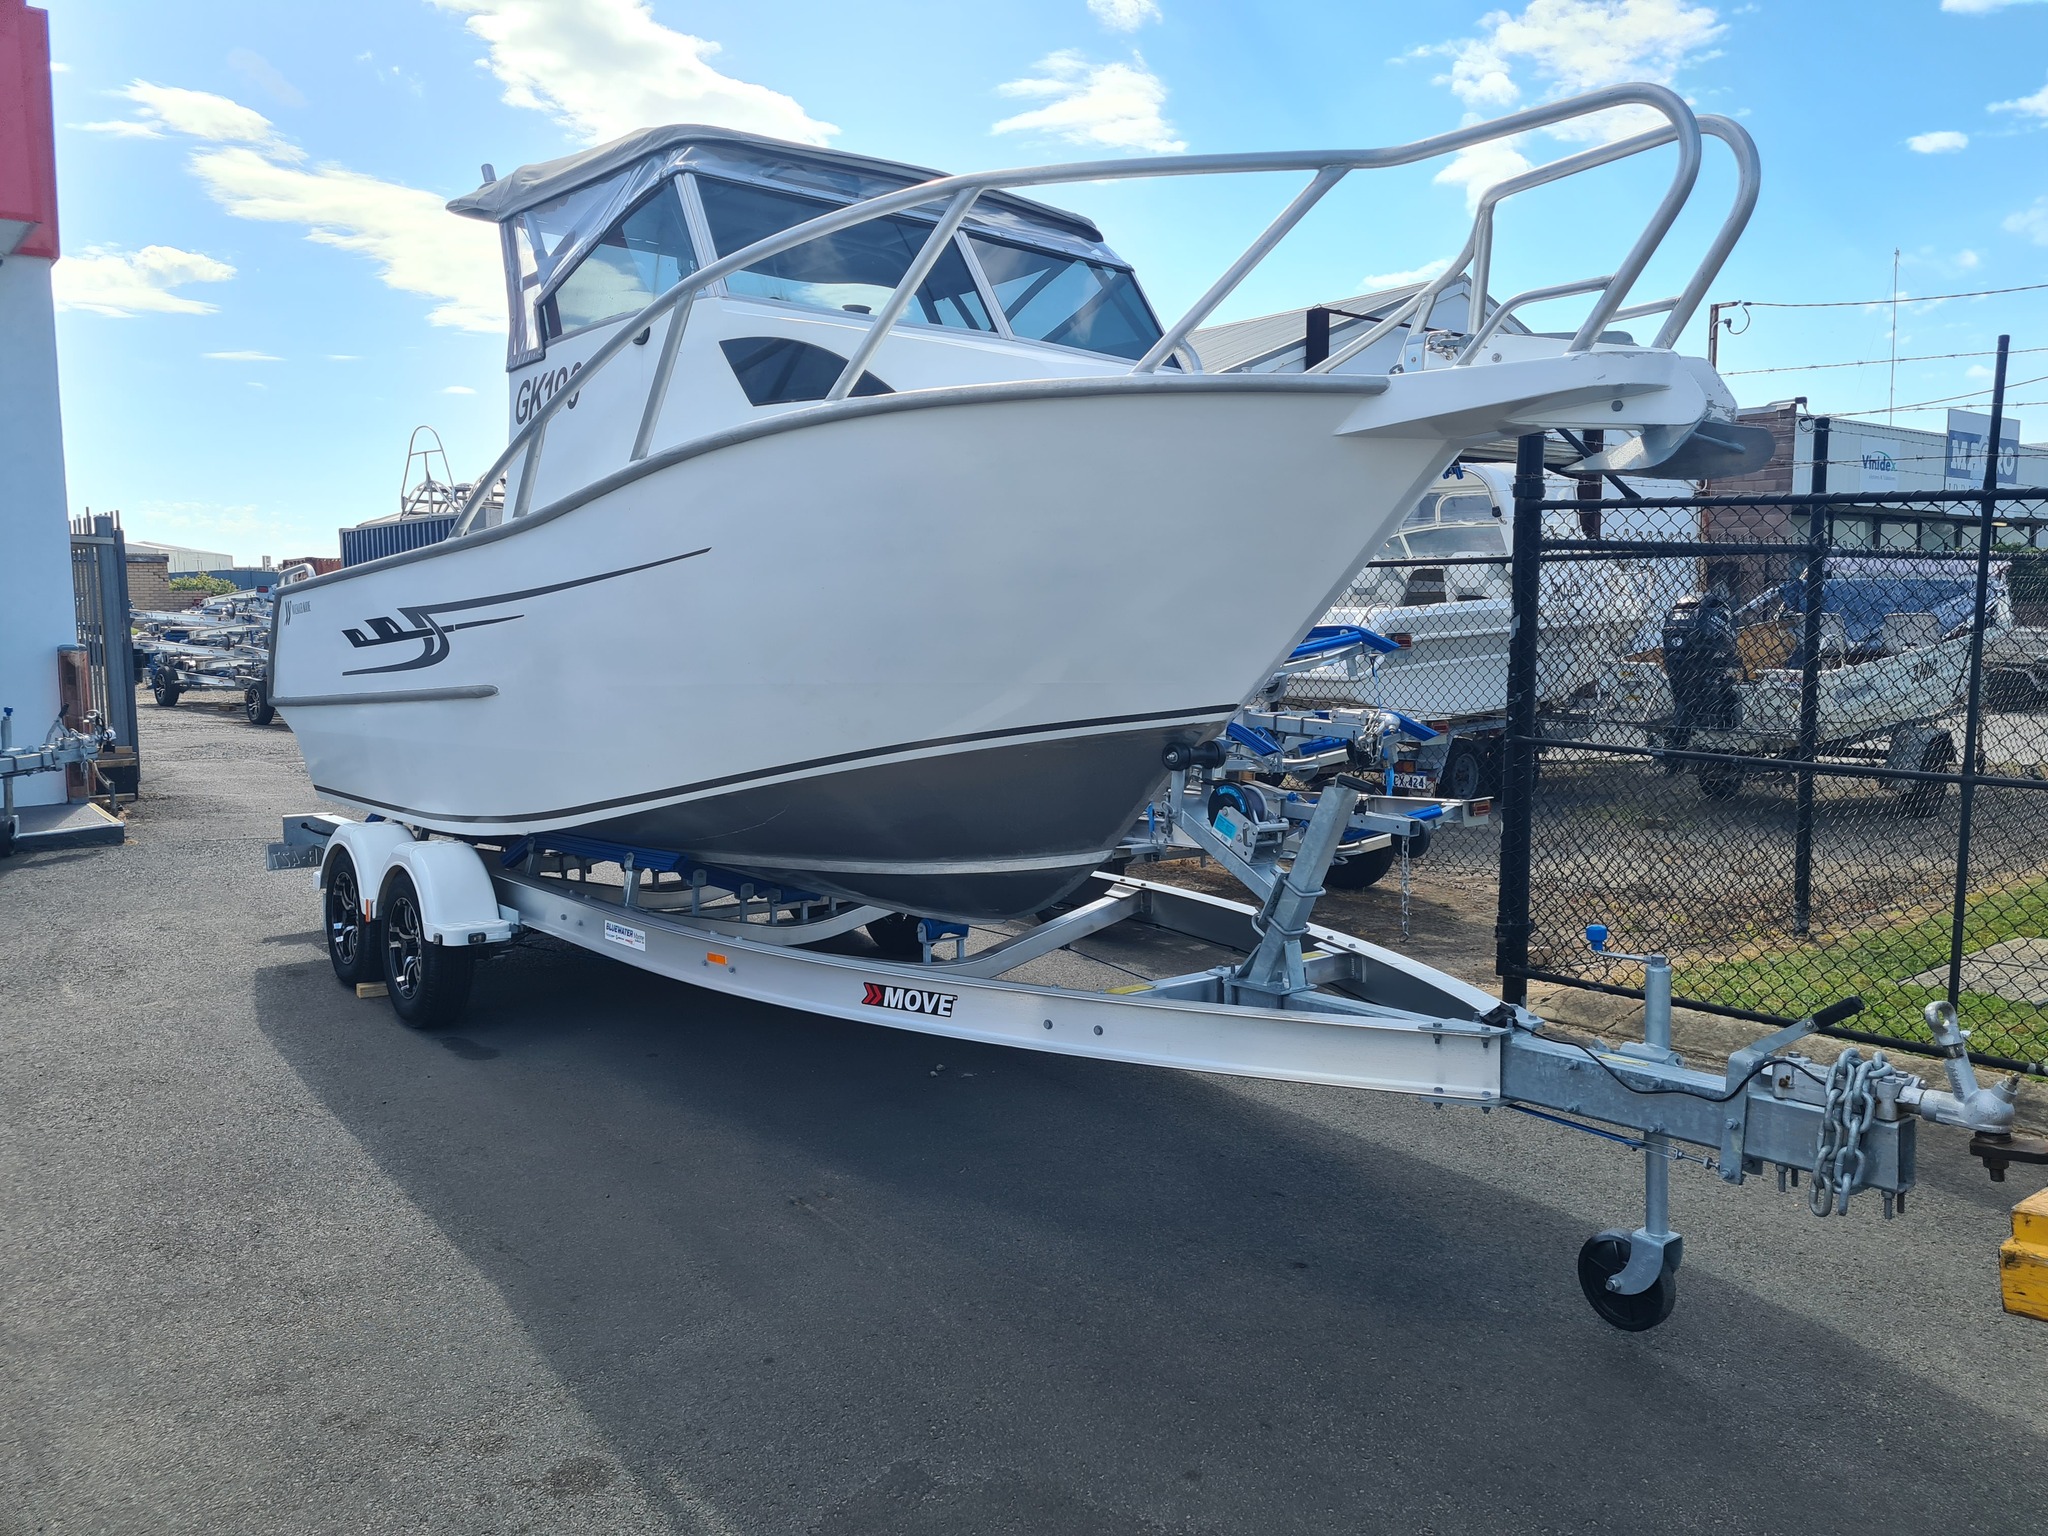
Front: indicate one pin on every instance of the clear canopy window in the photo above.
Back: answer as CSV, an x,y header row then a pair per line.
x,y
856,269
1068,301
641,256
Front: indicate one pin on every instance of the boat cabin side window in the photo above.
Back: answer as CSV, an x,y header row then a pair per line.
x,y
642,255
1065,300
856,269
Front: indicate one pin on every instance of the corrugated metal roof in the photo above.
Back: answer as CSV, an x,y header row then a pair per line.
x,y
1240,342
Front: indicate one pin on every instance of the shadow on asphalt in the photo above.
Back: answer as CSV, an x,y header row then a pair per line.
x,y
829,1286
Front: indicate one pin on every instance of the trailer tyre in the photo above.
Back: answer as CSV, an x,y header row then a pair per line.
x,y
1606,1255
896,936
257,706
165,691
354,946
1466,774
1923,799
1720,781
428,983
1362,869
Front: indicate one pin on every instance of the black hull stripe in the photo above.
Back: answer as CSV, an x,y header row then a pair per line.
x,y
648,797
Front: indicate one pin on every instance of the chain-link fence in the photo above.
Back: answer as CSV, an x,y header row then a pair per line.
x,y
1803,751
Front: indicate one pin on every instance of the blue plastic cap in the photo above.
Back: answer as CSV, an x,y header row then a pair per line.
x,y
1596,935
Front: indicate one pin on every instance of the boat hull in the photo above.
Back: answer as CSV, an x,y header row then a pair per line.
x,y
927,657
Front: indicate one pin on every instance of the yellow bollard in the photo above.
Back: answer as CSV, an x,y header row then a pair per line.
x,y
2023,1258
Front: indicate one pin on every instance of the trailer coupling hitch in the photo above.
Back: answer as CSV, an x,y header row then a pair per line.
x,y
1985,1112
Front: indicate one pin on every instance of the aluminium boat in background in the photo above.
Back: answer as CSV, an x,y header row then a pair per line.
x,y
857,520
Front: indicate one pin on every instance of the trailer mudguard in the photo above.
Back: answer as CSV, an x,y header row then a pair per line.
x,y
370,844
458,904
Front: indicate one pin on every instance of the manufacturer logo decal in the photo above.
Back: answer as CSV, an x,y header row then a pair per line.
x,y
423,624
937,1005
619,933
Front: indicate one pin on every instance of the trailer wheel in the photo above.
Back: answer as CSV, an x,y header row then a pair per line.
x,y
1923,799
1606,1255
1465,775
1362,869
429,983
1720,781
896,936
257,706
353,947
163,687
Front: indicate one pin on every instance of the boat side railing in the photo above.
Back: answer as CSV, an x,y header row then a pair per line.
x,y
957,195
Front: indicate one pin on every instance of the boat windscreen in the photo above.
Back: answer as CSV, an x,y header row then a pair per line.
x,y
1457,539
641,256
1068,301
855,269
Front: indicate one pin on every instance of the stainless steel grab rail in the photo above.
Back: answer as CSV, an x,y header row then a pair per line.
x,y
957,194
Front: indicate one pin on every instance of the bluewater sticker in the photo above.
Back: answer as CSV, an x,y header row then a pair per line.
x,y
619,933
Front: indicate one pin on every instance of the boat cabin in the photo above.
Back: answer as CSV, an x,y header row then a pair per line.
x,y
1024,290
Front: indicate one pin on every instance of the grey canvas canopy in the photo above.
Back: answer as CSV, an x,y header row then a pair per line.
x,y
553,212
694,146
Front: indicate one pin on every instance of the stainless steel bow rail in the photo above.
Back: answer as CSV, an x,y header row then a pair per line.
x,y
955,197
1277,996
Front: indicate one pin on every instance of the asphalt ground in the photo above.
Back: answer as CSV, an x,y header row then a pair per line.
x,y
616,1255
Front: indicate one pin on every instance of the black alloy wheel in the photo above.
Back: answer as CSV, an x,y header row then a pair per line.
x,y
351,941
429,983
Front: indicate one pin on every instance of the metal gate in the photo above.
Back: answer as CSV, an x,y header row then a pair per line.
x,y
99,594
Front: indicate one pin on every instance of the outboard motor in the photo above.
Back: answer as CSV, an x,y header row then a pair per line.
x,y
1703,665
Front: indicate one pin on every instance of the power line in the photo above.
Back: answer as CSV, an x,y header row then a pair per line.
x,y
1874,362
1966,395
1926,298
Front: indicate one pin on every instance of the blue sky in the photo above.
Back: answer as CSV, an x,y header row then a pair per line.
x,y
260,296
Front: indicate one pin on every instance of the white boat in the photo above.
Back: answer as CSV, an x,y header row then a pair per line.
x,y
1439,588
1893,664
865,533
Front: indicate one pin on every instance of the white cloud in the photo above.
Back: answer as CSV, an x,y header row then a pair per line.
x,y
1124,15
2031,222
1114,106
1377,282
1482,166
343,357
1979,7
197,114
59,69
602,68
418,247
107,281
1567,47
1978,371
1944,141
2035,105
243,357
458,389
1968,260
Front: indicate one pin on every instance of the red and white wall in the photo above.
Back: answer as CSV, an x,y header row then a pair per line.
x,y
35,544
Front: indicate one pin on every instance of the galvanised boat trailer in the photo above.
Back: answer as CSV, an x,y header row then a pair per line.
x,y
1282,998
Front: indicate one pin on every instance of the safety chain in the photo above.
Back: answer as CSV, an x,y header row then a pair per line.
x,y
1407,888
1846,1115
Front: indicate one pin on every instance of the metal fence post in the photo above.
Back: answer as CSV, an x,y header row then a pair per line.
x,y
119,649
1819,534
1511,922
1973,714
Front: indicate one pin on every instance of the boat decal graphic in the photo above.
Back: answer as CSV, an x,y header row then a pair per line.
x,y
938,1005
423,624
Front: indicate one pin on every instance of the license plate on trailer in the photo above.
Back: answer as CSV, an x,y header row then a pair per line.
x,y
1416,781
